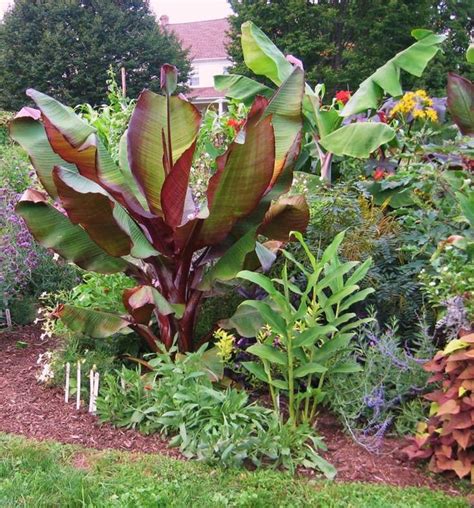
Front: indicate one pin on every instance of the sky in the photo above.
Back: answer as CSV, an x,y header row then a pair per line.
x,y
179,11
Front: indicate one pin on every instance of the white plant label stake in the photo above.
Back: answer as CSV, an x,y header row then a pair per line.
x,y
78,393
95,392
66,389
91,390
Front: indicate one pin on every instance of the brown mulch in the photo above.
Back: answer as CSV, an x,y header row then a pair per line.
x,y
30,409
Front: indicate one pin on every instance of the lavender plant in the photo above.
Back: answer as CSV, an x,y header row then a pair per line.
x,y
371,401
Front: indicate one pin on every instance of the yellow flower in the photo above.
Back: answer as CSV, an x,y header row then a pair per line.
x,y
224,344
421,93
418,113
432,115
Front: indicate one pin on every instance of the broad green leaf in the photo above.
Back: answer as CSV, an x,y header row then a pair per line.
x,y
280,384
311,335
73,128
54,231
360,272
338,271
331,250
461,103
270,316
231,262
333,346
267,352
358,297
470,53
309,368
262,56
31,135
147,129
285,107
95,324
257,370
324,466
246,320
266,284
347,367
326,121
386,79
165,307
241,88
358,139
466,202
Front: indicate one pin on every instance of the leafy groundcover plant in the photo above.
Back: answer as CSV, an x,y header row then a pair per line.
x,y
178,398
140,217
448,437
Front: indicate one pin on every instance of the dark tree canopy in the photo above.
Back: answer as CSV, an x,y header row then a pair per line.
x,y
64,48
341,42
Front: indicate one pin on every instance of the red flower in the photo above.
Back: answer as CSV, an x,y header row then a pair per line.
x,y
343,96
379,174
382,116
235,124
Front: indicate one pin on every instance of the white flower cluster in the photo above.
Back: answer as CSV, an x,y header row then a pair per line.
x,y
46,373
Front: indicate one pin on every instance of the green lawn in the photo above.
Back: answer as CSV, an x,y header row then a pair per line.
x,y
50,474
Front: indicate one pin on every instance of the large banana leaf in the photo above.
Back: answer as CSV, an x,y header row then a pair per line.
x,y
95,324
54,231
87,204
149,127
243,175
287,214
386,79
358,139
285,108
461,103
262,56
105,221
29,132
231,262
241,88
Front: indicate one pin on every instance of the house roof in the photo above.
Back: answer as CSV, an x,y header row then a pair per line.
x,y
205,39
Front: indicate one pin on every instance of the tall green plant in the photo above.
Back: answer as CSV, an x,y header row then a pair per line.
x,y
140,217
301,331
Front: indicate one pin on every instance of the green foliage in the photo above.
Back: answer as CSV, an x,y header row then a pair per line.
x,y
111,120
216,426
44,473
340,44
384,393
14,168
302,329
65,47
324,126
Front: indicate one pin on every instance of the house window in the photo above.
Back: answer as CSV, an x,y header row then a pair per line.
x,y
194,79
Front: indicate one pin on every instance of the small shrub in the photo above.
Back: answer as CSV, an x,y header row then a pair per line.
x,y
386,390
448,436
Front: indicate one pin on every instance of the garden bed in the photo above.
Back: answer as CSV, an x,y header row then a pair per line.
x,y
27,408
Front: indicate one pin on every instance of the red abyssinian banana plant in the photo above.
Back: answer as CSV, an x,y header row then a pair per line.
x,y
139,216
